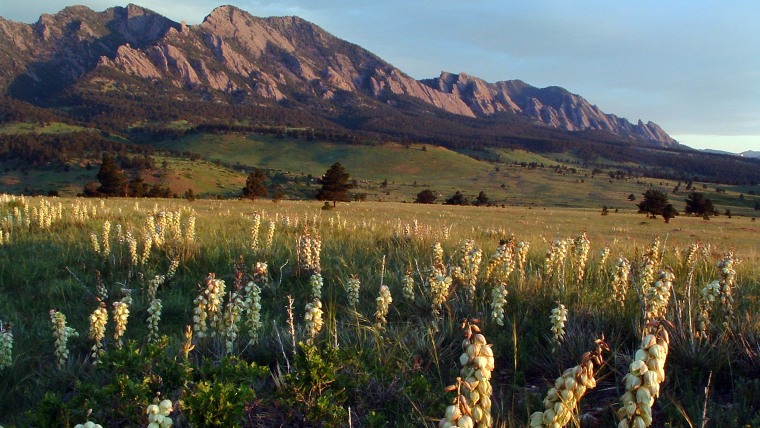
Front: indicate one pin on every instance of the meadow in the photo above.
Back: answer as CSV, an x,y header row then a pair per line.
x,y
245,313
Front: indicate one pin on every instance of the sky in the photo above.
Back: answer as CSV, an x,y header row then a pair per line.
x,y
691,66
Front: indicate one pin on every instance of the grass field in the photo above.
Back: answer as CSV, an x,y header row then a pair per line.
x,y
374,370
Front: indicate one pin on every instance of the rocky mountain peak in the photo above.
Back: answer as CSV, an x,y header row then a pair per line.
x,y
232,51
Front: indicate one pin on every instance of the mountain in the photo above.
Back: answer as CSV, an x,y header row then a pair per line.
x,y
751,154
77,56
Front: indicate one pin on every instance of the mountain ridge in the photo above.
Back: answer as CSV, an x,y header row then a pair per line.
x,y
279,59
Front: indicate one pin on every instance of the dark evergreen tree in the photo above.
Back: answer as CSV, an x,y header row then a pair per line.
x,y
669,212
255,184
111,178
654,203
482,199
335,184
697,204
426,196
457,199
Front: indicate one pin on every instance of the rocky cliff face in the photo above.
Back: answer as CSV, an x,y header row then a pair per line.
x,y
233,52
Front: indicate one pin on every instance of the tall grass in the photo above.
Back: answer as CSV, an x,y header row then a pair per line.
x,y
393,373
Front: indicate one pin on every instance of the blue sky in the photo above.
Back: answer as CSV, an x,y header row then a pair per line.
x,y
693,67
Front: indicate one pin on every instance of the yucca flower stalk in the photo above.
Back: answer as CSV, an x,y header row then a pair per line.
x,y
106,238
439,284
469,268
563,398
120,317
214,291
499,294
558,319
384,301
353,286
255,232
727,272
710,293
407,285
649,264
581,247
270,235
642,383
98,321
132,246
501,263
158,414
658,296
253,310
604,255
521,253
620,280
472,406
6,345
232,314
61,334
313,318
153,285
315,283
154,317
89,424
95,243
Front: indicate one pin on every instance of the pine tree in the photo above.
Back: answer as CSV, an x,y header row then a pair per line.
x,y
254,184
111,178
335,184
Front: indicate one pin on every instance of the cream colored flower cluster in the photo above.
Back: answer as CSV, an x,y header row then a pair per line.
x,y
353,286
501,263
710,293
649,264
255,231
207,310
563,398
120,317
5,237
581,247
469,267
554,265
477,365
316,282
270,234
407,285
642,383
61,334
620,280
88,424
691,254
233,312
313,318
6,345
658,296
253,301
727,272
521,253
106,238
154,317
308,252
499,302
98,321
253,309
153,285
439,284
158,415
604,255
384,301
438,256
558,319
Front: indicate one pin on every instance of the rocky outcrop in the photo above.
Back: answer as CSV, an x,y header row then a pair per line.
x,y
552,106
278,58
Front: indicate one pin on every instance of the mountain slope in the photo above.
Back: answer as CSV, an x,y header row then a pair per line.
x,y
234,57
